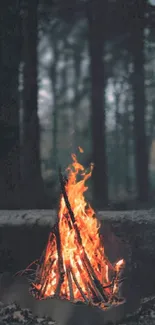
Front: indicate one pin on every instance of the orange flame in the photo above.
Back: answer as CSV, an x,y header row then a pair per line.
x,y
72,253
80,149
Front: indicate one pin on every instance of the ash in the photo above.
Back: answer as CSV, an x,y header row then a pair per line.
x,y
13,315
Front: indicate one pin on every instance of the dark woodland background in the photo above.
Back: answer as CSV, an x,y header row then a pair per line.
x,y
77,73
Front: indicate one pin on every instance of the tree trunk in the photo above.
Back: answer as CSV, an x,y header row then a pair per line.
x,y
9,104
31,166
141,146
126,147
53,76
75,102
95,12
117,147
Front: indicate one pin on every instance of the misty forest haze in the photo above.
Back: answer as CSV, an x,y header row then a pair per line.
x,y
77,73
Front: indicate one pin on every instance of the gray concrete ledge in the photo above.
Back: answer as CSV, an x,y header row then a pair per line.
x,y
48,217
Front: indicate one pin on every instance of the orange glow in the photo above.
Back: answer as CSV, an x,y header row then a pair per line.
x,y
73,254
80,149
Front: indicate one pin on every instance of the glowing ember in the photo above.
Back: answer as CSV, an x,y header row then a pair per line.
x,y
74,265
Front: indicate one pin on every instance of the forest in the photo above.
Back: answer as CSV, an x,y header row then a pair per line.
x,y
77,73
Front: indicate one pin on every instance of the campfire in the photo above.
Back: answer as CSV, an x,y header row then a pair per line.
x,y
74,265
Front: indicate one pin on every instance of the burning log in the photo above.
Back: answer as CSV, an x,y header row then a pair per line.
x,y
74,265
